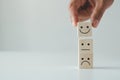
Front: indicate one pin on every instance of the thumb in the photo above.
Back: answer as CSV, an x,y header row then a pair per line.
x,y
97,14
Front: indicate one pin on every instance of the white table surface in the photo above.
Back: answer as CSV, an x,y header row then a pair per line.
x,y
55,66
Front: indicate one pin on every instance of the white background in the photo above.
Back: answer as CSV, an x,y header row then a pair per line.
x,y
38,42
43,25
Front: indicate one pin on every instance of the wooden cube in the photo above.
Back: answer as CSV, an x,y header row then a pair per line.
x,y
84,29
85,46
85,61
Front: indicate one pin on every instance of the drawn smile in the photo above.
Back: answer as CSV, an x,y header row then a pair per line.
x,y
86,62
84,32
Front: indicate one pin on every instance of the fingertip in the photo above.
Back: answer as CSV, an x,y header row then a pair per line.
x,y
74,23
95,23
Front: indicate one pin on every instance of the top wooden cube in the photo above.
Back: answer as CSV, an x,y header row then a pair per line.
x,y
84,29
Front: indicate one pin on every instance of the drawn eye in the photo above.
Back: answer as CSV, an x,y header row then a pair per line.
x,y
88,58
82,58
87,26
82,44
81,27
88,44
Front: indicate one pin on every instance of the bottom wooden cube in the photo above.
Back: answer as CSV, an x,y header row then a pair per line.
x,y
85,61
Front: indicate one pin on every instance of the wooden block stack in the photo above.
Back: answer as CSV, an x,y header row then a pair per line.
x,y
85,45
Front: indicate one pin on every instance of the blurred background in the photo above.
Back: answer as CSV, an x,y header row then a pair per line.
x,y
36,25
45,26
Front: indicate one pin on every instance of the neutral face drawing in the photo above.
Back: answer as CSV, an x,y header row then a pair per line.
x,y
84,29
86,60
85,45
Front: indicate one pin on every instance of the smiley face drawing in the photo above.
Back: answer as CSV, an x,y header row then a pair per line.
x,y
86,61
86,46
84,29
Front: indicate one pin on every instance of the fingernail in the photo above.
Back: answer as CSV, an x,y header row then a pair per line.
x,y
73,23
95,23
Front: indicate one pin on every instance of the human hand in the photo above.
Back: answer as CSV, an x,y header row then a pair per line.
x,y
81,10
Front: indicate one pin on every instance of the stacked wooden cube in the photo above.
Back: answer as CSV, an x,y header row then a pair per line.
x,y
85,45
